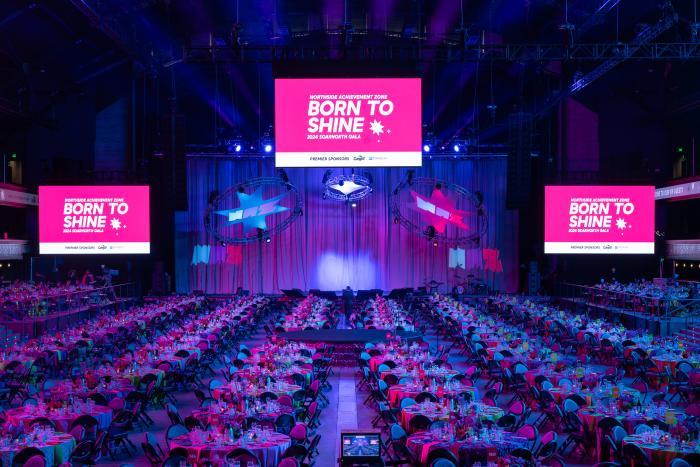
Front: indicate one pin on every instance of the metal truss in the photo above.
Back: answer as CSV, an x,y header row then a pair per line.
x,y
593,52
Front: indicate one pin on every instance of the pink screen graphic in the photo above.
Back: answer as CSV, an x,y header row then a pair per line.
x,y
94,219
599,219
364,122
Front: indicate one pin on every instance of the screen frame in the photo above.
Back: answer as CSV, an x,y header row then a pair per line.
x,y
339,76
42,252
373,434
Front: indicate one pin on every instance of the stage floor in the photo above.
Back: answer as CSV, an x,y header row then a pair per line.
x,y
345,336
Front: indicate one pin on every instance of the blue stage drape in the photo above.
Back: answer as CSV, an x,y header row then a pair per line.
x,y
333,245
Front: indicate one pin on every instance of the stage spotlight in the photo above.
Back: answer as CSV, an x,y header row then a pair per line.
x,y
396,220
435,243
426,148
223,243
268,239
455,148
237,147
241,189
438,186
354,205
268,148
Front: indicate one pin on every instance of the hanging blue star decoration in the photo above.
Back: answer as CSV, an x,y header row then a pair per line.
x,y
253,210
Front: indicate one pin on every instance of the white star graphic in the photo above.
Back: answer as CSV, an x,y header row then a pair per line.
x,y
376,127
116,224
621,224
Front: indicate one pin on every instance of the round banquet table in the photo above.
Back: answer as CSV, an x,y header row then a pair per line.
x,y
663,361
432,411
131,375
57,449
399,391
268,452
660,452
473,450
418,375
279,388
62,418
65,388
215,418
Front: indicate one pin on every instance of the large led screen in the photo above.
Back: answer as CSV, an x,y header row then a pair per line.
x,y
94,220
340,122
599,219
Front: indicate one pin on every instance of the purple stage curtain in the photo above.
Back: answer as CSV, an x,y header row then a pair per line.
x,y
333,245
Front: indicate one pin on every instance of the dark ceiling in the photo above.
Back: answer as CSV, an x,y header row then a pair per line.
x,y
52,48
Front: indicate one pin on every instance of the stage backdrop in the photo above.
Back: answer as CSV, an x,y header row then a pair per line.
x,y
333,245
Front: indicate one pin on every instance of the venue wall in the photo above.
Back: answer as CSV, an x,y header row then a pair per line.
x,y
333,245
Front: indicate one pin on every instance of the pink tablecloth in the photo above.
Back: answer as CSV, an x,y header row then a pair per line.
x,y
62,419
268,452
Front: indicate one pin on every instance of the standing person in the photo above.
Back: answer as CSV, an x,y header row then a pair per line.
x,y
347,301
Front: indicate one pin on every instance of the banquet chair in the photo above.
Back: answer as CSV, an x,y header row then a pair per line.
x,y
678,384
549,442
441,453
151,454
424,396
299,434
579,437
213,384
173,414
634,455
530,433
89,424
678,462
150,438
311,415
643,389
78,433
661,425
118,432
244,456
88,452
29,456
442,462
520,411
507,422
174,461
391,379
313,449
614,441
192,422
407,402
419,423
43,422
642,428
99,399
267,396
173,432
296,451
288,462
